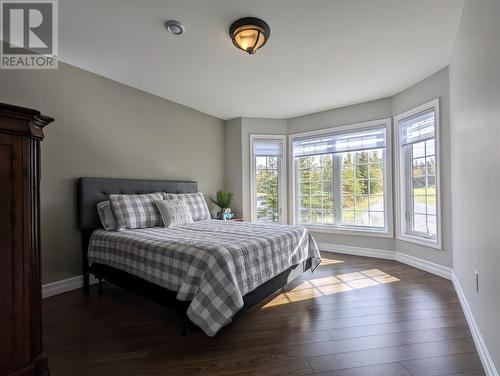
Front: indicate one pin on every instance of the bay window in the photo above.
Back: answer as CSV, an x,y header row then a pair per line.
x,y
418,175
341,178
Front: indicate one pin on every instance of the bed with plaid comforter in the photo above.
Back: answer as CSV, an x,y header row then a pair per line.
x,y
210,263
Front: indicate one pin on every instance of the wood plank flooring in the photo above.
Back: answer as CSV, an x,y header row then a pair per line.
x,y
353,316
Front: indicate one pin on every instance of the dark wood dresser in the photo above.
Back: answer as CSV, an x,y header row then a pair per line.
x,y
20,281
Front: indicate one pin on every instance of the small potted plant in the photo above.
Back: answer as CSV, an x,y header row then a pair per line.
x,y
223,201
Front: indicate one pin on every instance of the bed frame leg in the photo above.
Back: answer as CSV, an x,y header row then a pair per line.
x,y
186,326
100,286
86,282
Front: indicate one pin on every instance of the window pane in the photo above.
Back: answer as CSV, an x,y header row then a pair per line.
x,y
431,204
347,217
316,202
432,225
376,186
328,217
304,202
348,186
327,167
260,162
419,204
348,203
267,188
376,219
362,179
362,171
419,185
420,223
304,216
316,189
419,149
430,163
431,181
377,203
419,167
360,157
361,187
362,202
376,170
429,147
362,218
305,188
375,156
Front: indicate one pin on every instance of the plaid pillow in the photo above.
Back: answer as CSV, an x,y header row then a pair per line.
x,y
136,211
195,202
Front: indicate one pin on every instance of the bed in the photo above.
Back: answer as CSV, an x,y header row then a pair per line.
x,y
208,271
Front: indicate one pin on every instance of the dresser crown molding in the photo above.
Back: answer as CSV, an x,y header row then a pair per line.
x,y
27,122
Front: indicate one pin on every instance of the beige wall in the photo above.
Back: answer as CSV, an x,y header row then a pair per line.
x,y
475,166
107,129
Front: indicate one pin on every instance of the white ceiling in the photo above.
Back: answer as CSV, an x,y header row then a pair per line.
x,y
322,53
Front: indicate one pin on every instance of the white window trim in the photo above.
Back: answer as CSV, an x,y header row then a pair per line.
x,y
283,173
346,230
400,188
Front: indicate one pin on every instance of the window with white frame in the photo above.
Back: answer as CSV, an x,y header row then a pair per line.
x,y
268,178
418,174
341,177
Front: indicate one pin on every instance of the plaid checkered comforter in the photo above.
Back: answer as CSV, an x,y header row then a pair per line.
x,y
211,263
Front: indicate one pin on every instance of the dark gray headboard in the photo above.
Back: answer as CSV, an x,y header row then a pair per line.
x,y
91,191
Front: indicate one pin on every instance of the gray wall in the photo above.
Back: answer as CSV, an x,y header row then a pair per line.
x,y
234,179
475,141
436,86
104,128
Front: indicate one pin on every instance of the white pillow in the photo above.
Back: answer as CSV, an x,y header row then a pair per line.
x,y
106,215
174,212
195,202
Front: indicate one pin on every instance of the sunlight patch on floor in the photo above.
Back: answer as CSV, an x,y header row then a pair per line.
x,y
325,261
318,287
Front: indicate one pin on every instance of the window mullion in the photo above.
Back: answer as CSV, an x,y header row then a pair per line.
x,y
337,188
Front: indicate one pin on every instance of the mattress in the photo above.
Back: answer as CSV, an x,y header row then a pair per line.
x,y
210,263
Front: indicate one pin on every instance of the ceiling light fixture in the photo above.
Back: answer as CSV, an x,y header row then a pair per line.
x,y
249,34
175,27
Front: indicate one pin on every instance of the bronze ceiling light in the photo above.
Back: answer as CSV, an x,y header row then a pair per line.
x,y
249,34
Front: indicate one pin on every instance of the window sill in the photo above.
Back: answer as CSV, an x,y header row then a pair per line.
x,y
420,241
384,233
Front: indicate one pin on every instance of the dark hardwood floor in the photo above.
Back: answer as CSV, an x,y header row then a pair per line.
x,y
352,316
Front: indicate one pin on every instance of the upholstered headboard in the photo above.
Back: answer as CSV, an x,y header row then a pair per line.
x,y
91,191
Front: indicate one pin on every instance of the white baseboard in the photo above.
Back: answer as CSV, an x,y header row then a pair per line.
x,y
356,251
428,266
484,354
65,285
418,263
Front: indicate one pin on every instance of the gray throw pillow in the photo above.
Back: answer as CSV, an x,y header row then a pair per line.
x,y
106,216
174,212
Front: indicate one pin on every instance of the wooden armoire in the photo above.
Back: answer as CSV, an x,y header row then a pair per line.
x,y
20,281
